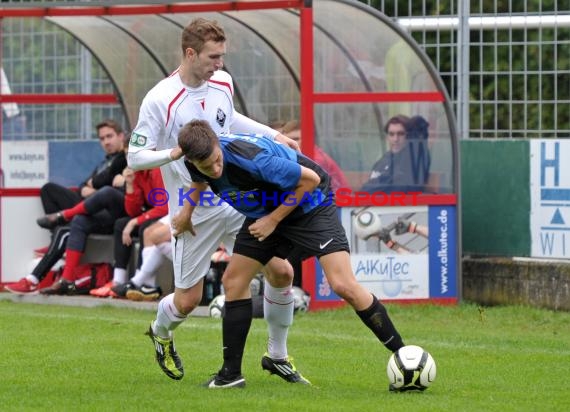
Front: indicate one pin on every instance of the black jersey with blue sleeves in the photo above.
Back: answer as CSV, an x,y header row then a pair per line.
x,y
259,174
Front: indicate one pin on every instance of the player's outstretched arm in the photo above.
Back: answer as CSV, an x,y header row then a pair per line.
x,y
243,124
141,159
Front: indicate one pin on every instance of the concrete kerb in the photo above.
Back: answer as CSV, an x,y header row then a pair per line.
x,y
90,302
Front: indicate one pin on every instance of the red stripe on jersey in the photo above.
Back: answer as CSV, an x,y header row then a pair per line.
x,y
223,84
171,103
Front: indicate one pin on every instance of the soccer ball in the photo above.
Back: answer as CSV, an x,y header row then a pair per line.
x,y
216,306
367,224
411,368
256,285
301,300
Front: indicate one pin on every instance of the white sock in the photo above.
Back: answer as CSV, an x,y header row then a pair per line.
x,y
120,276
278,304
134,279
167,317
33,279
152,258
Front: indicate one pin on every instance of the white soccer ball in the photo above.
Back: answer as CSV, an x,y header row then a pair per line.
x,y
216,306
256,285
301,300
411,368
367,224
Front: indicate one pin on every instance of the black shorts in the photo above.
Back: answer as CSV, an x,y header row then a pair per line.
x,y
316,233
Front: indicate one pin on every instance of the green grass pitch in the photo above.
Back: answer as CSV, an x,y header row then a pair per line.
x,y
98,359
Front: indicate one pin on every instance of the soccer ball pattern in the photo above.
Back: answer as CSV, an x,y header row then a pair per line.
x,y
367,224
216,306
301,300
411,368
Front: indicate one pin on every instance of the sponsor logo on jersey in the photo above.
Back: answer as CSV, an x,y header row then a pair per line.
x,y
138,140
221,117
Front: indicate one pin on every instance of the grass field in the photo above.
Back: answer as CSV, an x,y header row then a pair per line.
x,y
97,359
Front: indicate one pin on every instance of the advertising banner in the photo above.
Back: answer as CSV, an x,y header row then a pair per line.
x,y
400,253
24,163
550,199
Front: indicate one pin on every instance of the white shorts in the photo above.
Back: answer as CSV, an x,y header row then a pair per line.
x,y
192,254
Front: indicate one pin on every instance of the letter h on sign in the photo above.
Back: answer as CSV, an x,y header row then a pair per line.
x,y
547,163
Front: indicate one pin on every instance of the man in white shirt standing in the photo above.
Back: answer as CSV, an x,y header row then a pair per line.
x,y
199,89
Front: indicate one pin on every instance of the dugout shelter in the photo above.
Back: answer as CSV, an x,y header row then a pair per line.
x,y
339,66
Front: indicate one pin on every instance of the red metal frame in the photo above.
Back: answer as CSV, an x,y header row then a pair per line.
x,y
19,192
149,9
391,97
307,79
58,98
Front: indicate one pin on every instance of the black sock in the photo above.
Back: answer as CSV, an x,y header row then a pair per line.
x,y
235,327
378,321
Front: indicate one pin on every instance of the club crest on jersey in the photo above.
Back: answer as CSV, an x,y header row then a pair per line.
x,y
137,140
221,117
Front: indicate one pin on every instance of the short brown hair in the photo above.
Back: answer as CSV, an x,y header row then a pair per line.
x,y
398,119
110,123
290,126
277,125
197,140
198,32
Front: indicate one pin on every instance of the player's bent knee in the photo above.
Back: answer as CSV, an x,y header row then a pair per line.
x,y
278,272
186,300
186,307
279,279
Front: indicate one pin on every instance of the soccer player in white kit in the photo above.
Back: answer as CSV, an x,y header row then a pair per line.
x,y
198,89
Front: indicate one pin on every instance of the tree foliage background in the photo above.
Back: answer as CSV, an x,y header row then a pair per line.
x,y
519,78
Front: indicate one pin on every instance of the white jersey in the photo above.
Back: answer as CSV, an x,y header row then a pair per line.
x,y
164,111
166,108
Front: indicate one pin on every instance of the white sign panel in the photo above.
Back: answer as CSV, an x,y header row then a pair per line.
x,y
393,276
399,272
399,253
550,198
25,163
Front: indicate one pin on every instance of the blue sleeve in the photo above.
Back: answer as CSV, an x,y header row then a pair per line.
x,y
283,173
